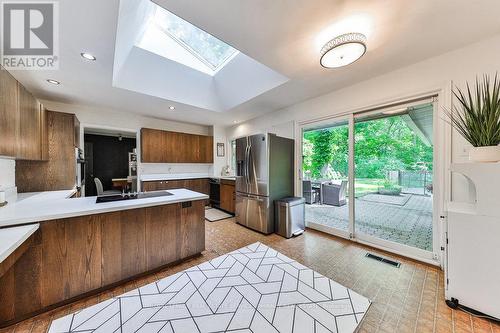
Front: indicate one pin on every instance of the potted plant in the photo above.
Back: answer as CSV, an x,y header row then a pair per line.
x,y
477,118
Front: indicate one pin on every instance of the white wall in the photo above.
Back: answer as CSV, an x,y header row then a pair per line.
x,y
7,174
219,134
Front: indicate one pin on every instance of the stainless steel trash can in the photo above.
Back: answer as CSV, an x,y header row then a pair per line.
x,y
289,216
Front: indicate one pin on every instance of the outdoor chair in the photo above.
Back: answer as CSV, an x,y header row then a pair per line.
x,y
312,195
334,194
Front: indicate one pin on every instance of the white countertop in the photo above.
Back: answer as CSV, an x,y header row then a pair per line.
x,y
42,206
178,176
12,238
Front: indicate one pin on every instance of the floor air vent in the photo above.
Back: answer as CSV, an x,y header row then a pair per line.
x,y
384,260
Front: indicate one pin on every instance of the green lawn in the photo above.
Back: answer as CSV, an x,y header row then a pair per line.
x,y
364,186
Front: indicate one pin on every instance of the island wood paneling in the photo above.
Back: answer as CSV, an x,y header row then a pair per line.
x,y
162,237
159,146
191,239
78,256
14,256
123,245
59,171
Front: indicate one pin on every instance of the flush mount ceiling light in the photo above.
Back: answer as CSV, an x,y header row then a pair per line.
x,y
88,56
171,107
343,50
54,82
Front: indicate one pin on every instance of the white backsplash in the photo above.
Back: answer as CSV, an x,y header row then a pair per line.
x,y
8,176
163,168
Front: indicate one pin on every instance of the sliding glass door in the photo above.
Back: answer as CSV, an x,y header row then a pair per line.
x,y
325,177
369,177
394,177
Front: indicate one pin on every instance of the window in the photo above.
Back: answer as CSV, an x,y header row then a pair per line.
x,y
210,51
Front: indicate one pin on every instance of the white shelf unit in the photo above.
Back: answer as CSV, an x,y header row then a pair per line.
x,y
473,248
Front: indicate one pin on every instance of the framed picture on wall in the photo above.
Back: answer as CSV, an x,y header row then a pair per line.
x,y
220,149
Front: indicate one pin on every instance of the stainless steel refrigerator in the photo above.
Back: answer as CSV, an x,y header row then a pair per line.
x,y
264,173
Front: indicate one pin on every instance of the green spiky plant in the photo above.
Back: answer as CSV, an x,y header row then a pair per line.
x,y
477,116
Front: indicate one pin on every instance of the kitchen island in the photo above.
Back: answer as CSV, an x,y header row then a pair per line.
x,y
82,248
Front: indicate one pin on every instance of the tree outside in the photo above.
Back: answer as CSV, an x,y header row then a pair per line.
x,y
383,146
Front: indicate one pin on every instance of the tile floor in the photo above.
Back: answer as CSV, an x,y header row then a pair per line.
x,y
405,299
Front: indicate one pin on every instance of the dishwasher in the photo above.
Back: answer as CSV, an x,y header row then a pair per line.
x,y
215,192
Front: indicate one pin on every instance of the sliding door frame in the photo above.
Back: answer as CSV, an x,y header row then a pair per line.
x,y
441,178
327,123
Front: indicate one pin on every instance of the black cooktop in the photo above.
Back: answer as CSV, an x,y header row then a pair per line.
x,y
132,196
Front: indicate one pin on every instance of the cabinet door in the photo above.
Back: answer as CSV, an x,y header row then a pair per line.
x,y
227,197
173,147
206,145
152,146
29,143
191,239
44,133
8,114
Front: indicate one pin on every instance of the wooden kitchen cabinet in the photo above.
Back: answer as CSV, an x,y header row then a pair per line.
x,y
159,146
201,185
22,121
9,116
30,126
58,171
68,259
227,196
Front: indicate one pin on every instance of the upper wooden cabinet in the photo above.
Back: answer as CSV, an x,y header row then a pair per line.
x,y
30,126
8,114
23,122
173,147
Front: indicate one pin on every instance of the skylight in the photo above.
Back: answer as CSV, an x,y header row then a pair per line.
x,y
213,52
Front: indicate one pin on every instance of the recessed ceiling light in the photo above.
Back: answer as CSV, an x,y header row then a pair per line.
x,y
343,50
235,121
55,82
171,107
88,56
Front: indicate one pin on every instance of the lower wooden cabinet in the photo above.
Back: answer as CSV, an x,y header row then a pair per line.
x,y
201,185
77,256
227,196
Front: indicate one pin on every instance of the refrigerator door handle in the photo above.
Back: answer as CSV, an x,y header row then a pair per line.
x,y
255,198
247,164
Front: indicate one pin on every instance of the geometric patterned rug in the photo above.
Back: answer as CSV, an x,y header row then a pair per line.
x,y
253,289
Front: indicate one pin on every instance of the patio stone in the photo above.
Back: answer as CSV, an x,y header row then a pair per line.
x,y
409,223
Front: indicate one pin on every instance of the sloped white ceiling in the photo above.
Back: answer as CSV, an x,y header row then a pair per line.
x,y
152,73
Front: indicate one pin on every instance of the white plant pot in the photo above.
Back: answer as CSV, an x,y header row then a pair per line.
x,y
485,154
